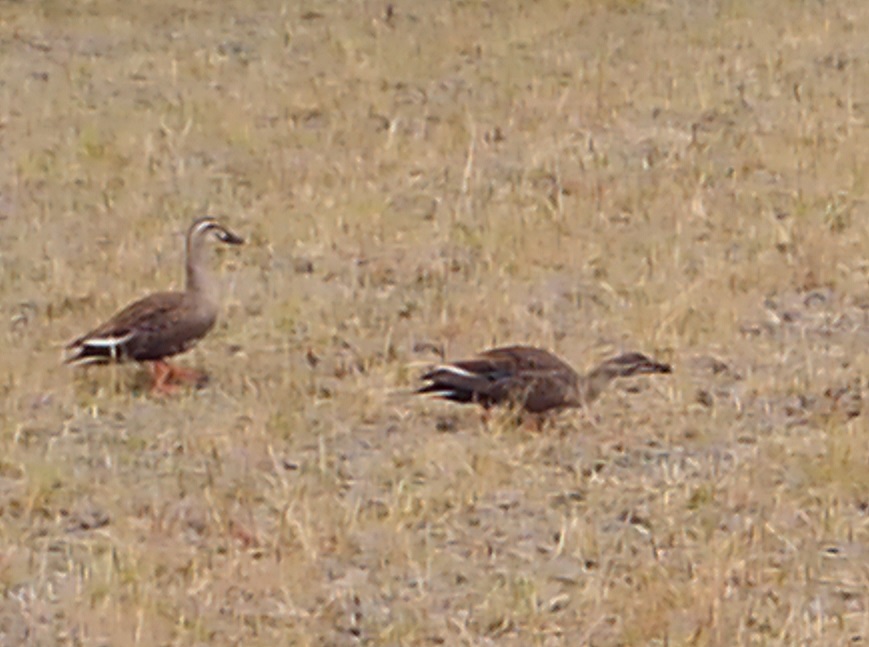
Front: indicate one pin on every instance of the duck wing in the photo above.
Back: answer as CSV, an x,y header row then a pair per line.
x,y
159,325
529,377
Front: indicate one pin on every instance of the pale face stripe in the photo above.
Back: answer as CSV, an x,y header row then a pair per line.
x,y
205,225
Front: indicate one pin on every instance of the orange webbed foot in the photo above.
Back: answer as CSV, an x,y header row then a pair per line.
x,y
188,376
166,377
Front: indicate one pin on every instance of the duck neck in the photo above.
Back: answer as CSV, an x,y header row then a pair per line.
x,y
198,277
592,385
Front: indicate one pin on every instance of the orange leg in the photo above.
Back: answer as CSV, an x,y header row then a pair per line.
x,y
536,422
161,373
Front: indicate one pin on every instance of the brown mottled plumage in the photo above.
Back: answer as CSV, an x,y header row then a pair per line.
x,y
528,378
162,324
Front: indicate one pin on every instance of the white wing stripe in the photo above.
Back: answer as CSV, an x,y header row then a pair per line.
x,y
86,360
442,394
107,342
455,370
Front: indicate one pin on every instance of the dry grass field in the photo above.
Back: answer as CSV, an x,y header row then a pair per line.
x,y
687,178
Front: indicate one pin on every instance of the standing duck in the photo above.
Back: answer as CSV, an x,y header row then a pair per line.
x,y
162,324
531,379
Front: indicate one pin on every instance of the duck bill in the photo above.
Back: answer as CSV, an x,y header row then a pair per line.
x,y
231,239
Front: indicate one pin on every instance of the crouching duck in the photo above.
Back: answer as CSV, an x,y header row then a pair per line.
x,y
162,324
530,379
